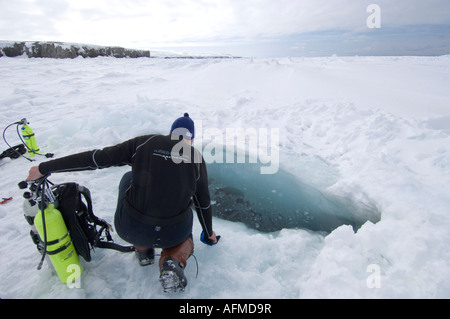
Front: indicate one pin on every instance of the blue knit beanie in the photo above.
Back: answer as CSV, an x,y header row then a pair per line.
x,y
184,126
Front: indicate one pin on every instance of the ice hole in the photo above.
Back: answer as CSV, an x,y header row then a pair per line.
x,y
268,203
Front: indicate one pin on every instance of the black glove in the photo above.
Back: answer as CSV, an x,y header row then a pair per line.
x,y
208,241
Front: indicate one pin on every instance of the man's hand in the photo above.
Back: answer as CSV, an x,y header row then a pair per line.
x,y
34,174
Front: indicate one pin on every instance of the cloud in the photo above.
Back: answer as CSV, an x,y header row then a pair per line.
x,y
30,20
140,23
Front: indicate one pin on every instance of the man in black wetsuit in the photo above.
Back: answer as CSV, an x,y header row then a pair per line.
x,y
154,204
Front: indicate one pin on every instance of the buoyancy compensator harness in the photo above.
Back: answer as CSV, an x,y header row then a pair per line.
x,y
63,225
28,140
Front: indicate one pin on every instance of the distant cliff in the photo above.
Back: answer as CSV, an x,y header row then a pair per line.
x,y
60,50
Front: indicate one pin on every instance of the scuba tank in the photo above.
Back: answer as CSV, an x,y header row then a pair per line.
x,y
28,143
49,231
57,241
30,209
30,140
64,227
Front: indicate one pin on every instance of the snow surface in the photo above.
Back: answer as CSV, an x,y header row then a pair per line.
x,y
372,129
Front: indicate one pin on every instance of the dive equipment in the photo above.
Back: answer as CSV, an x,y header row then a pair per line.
x,y
14,152
58,243
30,209
64,227
53,233
28,142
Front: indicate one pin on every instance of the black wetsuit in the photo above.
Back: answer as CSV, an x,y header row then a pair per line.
x,y
155,198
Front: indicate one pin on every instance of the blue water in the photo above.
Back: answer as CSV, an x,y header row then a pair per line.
x,y
272,202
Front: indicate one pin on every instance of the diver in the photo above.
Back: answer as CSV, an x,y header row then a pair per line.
x,y
167,176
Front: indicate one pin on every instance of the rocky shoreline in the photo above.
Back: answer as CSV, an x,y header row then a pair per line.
x,y
61,50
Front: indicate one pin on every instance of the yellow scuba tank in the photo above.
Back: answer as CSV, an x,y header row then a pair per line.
x,y
30,209
59,244
30,140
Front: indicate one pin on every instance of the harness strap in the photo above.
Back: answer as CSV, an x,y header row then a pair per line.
x,y
53,242
114,246
60,249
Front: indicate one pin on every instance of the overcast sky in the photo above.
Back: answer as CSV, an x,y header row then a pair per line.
x,y
240,27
